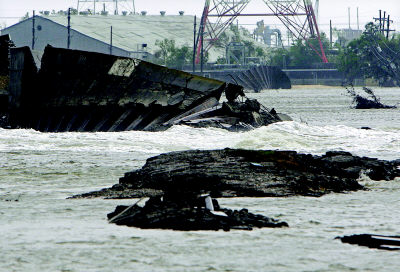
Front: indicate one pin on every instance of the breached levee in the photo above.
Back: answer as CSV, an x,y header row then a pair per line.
x,y
85,91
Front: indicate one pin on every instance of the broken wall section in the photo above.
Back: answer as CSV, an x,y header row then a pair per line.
x,y
85,91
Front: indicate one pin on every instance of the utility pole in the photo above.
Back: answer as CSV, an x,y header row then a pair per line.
x,y
69,29
384,24
33,31
116,7
111,40
330,34
384,21
388,30
202,46
94,7
380,21
194,44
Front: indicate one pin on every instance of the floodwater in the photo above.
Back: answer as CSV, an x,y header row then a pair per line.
x,y
41,230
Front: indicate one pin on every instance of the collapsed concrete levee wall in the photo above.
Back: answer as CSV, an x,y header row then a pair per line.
x,y
89,92
86,91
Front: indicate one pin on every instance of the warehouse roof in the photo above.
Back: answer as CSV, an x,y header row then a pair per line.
x,y
130,32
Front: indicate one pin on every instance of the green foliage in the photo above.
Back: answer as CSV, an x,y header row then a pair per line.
x,y
172,56
180,56
300,53
74,11
371,56
279,57
236,34
222,41
167,47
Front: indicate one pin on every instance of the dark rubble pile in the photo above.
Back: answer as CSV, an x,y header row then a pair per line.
x,y
249,173
236,115
160,213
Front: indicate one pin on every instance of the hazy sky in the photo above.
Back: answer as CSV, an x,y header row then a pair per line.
x,y
335,10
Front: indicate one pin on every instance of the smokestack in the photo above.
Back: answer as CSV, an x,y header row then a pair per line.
x,y
349,19
358,20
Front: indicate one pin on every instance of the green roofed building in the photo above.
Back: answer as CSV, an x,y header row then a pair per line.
x,y
132,35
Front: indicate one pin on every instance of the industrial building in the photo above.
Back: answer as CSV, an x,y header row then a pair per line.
x,y
124,35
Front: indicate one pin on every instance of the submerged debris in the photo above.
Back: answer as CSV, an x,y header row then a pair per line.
x,y
369,102
373,241
200,213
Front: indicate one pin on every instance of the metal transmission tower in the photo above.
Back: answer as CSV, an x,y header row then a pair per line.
x,y
107,5
299,18
297,15
217,16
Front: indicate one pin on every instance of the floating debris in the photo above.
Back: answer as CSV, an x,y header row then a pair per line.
x,y
373,241
369,102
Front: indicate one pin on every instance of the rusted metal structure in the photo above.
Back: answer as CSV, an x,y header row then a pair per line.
x,y
298,16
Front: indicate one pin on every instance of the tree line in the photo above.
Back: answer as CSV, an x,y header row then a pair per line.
x,y
372,55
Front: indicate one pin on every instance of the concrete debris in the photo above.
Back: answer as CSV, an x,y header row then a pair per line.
x,y
86,91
